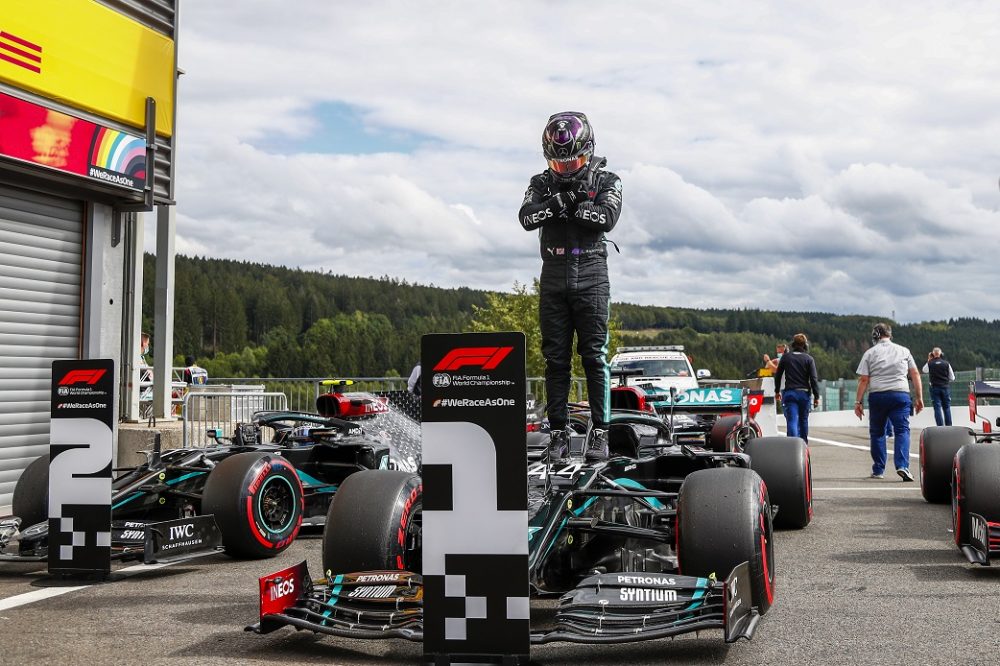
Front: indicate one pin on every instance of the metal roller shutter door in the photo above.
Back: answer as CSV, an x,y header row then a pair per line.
x,y
41,249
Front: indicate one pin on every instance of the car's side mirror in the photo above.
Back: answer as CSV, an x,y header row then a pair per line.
x,y
702,373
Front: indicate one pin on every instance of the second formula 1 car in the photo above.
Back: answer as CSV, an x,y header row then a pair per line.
x,y
260,485
962,466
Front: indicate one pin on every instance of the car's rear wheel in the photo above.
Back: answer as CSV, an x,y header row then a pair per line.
x,y
784,464
723,520
975,487
31,493
374,524
730,433
258,502
938,446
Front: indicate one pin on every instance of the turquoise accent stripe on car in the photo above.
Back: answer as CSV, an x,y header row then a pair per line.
x,y
126,500
311,481
698,598
171,482
333,594
635,485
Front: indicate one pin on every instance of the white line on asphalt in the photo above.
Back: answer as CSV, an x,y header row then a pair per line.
x,y
832,442
36,595
48,593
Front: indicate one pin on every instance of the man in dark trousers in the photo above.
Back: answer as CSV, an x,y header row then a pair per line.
x,y
798,369
941,376
573,204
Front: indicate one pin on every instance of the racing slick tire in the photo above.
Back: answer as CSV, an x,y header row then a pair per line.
x,y
784,464
31,493
258,502
975,487
938,446
723,520
373,523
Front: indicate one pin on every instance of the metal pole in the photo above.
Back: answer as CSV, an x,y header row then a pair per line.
x,y
163,322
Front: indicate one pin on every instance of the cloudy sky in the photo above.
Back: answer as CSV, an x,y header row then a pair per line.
x,y
834,157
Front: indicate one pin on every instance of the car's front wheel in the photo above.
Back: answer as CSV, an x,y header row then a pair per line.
x,y
975,487
257,500
374,524
723,520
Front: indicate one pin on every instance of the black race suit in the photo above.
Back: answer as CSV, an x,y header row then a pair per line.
x,y
572,217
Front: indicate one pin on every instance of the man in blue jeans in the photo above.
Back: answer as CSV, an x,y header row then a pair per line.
x,y
883,370
798,369
940,373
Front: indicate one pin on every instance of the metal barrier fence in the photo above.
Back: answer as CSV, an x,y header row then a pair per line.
x,y
839,394
836,394
224,409
303,391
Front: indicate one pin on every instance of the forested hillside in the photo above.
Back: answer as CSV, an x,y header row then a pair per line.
x,y
245,319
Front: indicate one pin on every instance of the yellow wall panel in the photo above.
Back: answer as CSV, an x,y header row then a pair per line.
x,y
88,56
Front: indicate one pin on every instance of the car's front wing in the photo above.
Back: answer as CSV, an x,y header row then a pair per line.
x,y
983,540
606,608
152,542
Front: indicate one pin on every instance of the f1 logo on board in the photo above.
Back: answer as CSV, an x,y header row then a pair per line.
x,y
88,377
486,358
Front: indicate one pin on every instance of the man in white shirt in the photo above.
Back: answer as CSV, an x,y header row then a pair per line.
x,y
883,372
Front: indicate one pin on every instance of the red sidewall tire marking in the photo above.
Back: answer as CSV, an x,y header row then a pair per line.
x,y
256,485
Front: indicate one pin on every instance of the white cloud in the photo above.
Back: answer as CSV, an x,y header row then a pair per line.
x,y
775,155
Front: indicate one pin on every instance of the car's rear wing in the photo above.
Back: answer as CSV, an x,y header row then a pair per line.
x,y
703,400
986,390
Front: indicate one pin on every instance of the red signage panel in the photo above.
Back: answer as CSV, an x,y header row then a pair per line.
x,y
49,138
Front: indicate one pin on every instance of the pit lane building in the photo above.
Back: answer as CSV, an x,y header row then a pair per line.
x,y
87,107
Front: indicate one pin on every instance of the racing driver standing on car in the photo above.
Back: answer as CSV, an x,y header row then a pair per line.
x,y
573,204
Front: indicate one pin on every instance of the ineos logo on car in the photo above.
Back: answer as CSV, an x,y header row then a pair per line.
x,y
282,588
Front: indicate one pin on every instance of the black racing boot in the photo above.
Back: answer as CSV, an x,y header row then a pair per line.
x,y
597,447
559,444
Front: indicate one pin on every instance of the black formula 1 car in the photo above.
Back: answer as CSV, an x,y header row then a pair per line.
x,y
261,485
662,539
716,418
962,465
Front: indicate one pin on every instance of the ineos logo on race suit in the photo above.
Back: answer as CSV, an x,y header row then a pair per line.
x,y
540,216
591,215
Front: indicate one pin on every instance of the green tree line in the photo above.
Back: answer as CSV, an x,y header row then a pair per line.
x,y
249,319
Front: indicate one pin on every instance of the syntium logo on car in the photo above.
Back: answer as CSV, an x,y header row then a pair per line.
x,y
88,377
485,358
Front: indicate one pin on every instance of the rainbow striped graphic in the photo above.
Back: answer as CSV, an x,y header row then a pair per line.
x,y
118,152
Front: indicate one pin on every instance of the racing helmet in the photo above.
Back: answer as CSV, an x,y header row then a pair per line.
x,y
567,143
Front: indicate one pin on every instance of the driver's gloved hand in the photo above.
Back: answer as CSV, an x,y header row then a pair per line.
x,y
583,191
